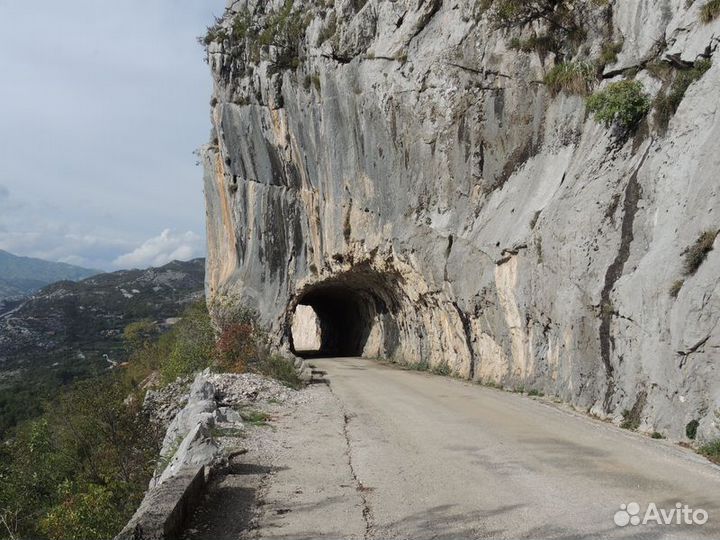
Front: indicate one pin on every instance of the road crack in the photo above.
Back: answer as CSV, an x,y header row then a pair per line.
x,y
361,489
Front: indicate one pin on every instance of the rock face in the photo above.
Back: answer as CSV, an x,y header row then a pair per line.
x,y
306,331
401,167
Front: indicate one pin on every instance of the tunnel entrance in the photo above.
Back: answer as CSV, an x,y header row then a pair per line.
x,y
346,310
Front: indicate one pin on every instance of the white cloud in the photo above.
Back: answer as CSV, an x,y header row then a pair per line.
x,y
110,163
162,249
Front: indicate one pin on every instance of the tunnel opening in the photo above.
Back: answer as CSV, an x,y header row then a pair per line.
x,y
338,317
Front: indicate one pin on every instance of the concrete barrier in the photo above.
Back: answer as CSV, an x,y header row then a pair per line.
x,y
165,508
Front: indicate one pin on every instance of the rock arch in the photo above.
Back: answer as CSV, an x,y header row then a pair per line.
x,y
357,312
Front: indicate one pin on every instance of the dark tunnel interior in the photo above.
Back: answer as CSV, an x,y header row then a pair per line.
x,y
345,318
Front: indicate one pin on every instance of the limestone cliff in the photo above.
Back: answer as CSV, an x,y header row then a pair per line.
x,y
403,167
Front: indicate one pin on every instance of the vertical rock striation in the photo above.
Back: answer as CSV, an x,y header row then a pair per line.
x,y
403,166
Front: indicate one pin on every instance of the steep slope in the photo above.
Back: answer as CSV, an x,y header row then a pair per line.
x,y
23,275
420,174
65,330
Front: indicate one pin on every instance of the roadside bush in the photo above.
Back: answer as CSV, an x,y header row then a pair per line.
x,y
192,344
667,104
571,77
441,369
235,346
711,451
691,429
624,103
279,368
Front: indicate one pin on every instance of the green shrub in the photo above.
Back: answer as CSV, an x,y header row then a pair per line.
x,y
84,513
284,29
81,470
624,103
570,77
241,26
279,368
519,13
534,392
441,369
422,365
193,346
255,417
215,33
657,435
631,419
667,103
561,21
711,451
710,11
696,254
691,429
138,334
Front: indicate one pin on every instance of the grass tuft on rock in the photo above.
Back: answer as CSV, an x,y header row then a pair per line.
x,y
571,78
675,287
710,11
696,254
667,103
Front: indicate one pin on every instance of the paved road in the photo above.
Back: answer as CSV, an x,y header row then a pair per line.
x,y
385,453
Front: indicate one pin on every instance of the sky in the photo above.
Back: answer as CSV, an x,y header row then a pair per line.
x,y
102,105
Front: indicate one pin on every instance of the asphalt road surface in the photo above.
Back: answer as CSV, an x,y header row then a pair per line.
x,y
385,453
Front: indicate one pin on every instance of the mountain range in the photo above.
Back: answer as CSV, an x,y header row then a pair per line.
x,y
20,276
73,330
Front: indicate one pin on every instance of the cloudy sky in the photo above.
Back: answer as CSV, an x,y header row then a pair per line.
x,y
101,107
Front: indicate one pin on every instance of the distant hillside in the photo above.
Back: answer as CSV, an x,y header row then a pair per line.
x,y
65,330
24,275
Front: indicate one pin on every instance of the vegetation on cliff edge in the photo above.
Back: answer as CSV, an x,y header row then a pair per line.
x,y
80,470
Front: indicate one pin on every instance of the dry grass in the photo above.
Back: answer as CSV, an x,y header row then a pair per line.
x,y
710,11
695,255
571,77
